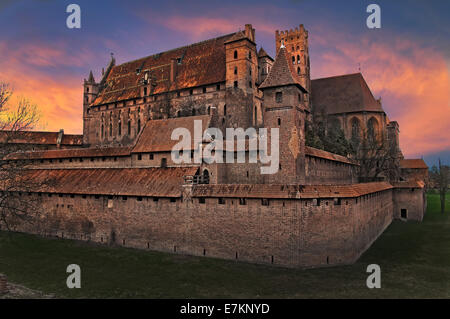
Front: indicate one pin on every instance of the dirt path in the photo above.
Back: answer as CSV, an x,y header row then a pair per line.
x,y
16,291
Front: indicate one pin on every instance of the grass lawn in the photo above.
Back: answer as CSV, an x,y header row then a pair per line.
x,y
414,260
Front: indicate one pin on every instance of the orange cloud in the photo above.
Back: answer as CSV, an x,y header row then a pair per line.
x,y
200,28
414,82
59,98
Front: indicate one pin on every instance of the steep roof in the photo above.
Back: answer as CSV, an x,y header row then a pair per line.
x,y
162,182
413,163
156,135
314,152
289,191
262,53
41,138
343,94
201,63
282,73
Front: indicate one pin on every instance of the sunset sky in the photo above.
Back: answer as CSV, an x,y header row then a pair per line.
x,y
406,62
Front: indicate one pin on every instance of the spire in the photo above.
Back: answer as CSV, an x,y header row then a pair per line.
x,y
282,72
91,77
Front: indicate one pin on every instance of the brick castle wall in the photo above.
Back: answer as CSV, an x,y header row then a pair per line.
x,y
289,232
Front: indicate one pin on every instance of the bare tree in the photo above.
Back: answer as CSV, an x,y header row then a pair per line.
x,y
377,157
440,177
15,120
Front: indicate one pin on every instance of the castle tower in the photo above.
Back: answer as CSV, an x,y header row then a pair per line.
x,y
90,91
265,63
296,43
241,79
284,108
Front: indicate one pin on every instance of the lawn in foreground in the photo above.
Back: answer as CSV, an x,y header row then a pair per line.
x,y
414,260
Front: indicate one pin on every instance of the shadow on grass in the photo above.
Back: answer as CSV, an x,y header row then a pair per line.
x,y
414,259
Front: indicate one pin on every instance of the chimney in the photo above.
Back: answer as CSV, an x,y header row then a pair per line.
x,y
173,70
250,32
59,139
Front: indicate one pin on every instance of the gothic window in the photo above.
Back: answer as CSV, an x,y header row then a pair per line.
x,y
129,126
279,122
103,130
163,162
279,97
298,59
235,70
356,127
372,129
249,54
293,59
110,124
298,71
139,124
235,54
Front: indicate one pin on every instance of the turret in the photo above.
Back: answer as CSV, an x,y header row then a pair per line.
x,y
284,108
296,43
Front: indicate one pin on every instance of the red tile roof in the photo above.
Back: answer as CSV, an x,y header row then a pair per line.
x,y
343,94
262,53
162,182
70,153
413,163
41,138
289,191
410,184
201,64
156,135
314,152
282,73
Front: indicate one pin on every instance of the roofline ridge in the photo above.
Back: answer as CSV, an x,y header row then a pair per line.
x,y
178,48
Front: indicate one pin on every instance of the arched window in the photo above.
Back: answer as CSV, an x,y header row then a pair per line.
x,y
119,127
139,125
372,129
293,59
298,71
356,129
235,70
103,130
298,59
235,54
205,179
129,126
110,124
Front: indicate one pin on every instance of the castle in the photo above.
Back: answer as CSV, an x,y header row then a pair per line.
x,y
123,187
